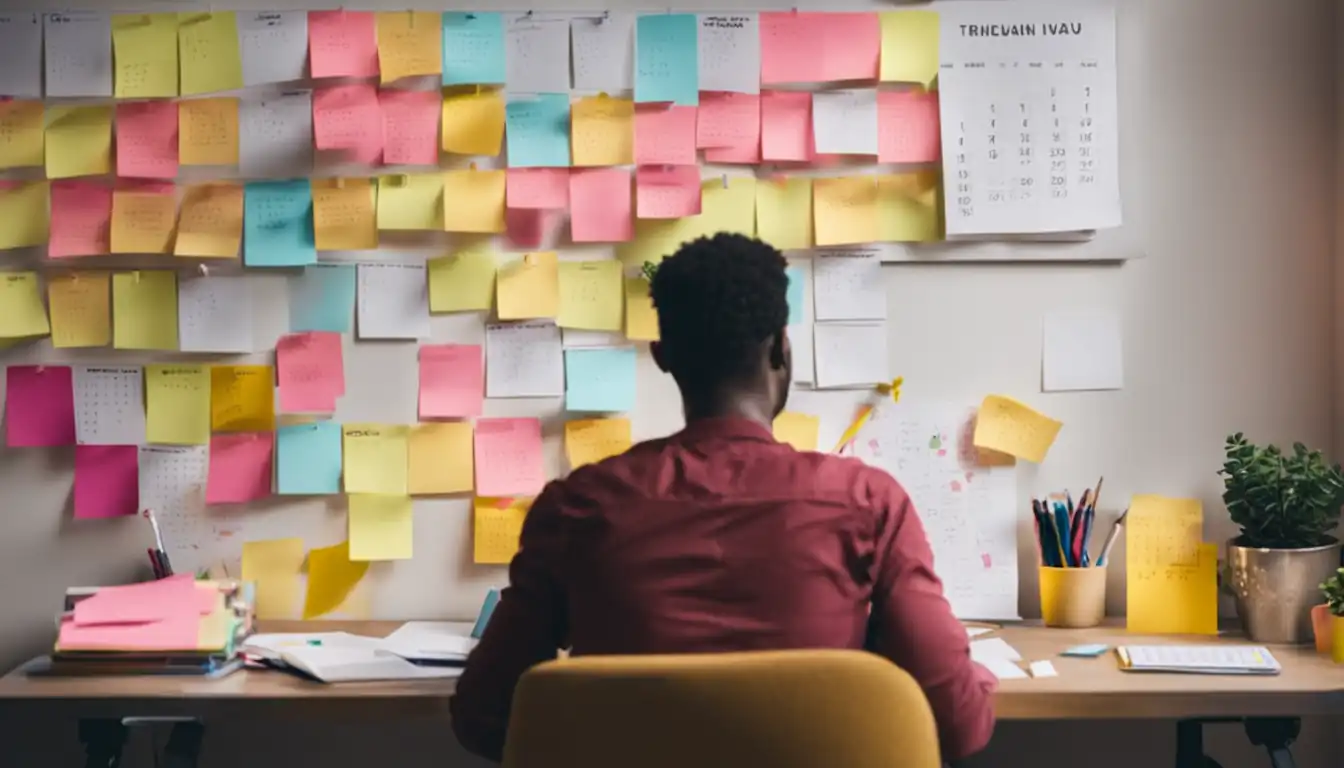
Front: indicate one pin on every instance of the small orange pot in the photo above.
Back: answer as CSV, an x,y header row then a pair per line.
x,y
1322,627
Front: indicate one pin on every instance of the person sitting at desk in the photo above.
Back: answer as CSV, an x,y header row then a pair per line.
x,y
719,538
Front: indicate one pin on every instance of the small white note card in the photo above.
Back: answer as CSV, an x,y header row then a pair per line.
x,y
393,301
524,360
1082,349
275,136
730,52
850,354
109,405
214,314
604,51
274,46
845,122
21,55
79,53
1043,669
847,285
537,52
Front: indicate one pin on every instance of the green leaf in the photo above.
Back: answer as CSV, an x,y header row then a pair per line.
x,y
1281,500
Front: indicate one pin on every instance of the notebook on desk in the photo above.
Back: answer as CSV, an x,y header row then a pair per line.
x,y
1199,659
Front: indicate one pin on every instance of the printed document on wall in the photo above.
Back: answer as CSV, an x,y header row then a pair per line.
x,y
1029,117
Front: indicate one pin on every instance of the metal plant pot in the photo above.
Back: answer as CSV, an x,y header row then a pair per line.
x,y
1276,588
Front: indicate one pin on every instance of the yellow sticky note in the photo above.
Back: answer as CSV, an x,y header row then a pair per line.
x,y
24,213
728,207
784,211
375,459
798,430
411,201
409,43
21,312
78,141
845,210
144,310
380,527
462,282
907,205
21,128
473,201
177,404
588,441
80,304
143,221
602,131
242,398
211,60
274,566
641,318
529,287
497,528
332,576
656,238
473,123
210,224
207,131
144,51
1008,426
591,294
1171,574
343,214
909,46
441,458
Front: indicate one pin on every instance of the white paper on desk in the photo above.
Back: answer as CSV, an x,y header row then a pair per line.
x,y
977,631
274,46
272,645
275,136
847,285
1082,349
429,640
524,360
993,648
851,354
1043,669
21,55
1002,668
536,52
352,664
392,301
214,314
730,52
604,51
109,405
845,122
79,53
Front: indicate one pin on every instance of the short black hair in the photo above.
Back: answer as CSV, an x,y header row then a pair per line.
x,y
718,298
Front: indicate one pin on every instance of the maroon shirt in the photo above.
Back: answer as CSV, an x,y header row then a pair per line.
x,y
719,538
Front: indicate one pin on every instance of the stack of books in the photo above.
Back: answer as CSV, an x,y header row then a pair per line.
x,y
173,626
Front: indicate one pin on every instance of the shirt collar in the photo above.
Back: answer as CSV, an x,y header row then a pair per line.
x,y
726,428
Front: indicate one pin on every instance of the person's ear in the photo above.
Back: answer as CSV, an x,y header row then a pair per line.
x,y
656,350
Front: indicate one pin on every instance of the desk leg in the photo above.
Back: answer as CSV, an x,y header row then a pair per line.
x,y
1190,744
184,745
1275,734
103,741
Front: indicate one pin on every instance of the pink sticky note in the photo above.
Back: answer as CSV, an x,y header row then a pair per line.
x,y
599,205
342,44
310,368
81,219
177,595
537,188
508,457
728,127
667,192
908,127
786,126
39,406
147,140
525,228
347,118
664,135
240,468
452,381
410,126
180,633
819,47
107,481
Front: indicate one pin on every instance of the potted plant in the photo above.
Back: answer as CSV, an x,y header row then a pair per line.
x,y
1330,631
1287,505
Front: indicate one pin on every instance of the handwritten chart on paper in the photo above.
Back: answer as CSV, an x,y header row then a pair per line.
x,y
968,511
1029,118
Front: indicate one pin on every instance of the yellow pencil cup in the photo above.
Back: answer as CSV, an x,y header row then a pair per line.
x,y
1337,639
1073,597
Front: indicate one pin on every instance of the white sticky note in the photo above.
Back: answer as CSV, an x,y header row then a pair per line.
x,y
993,648
79,53
21,55
536,52
845,122
1043,669
1082,349
524,360
274,46
604,51
214,314
1003,669
851,354
977,631
172,478
275,136
800,341
573,338
392,302
109,404
730,52
847,285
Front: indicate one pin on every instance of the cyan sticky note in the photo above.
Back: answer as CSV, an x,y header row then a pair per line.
x,y
667,60
487,610
537,131
1087,651
278,224
795,294
600,380
473,48
322,298
308,459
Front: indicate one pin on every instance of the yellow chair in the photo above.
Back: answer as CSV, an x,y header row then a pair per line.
x,y
772,709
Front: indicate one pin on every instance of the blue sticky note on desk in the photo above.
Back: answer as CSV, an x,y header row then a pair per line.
x,y
667,59
795,294
1087,651
600,380
308,459
473,48
537,131
278,224
322,298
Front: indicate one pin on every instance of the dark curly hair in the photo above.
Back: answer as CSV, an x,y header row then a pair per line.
x,y
718,299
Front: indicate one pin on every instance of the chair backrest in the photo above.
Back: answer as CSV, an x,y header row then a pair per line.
x,y
772,709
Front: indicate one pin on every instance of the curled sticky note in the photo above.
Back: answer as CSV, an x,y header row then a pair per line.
x,y
1008,426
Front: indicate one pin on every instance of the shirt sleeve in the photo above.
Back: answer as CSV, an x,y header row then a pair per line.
x,y
913,625
527,628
